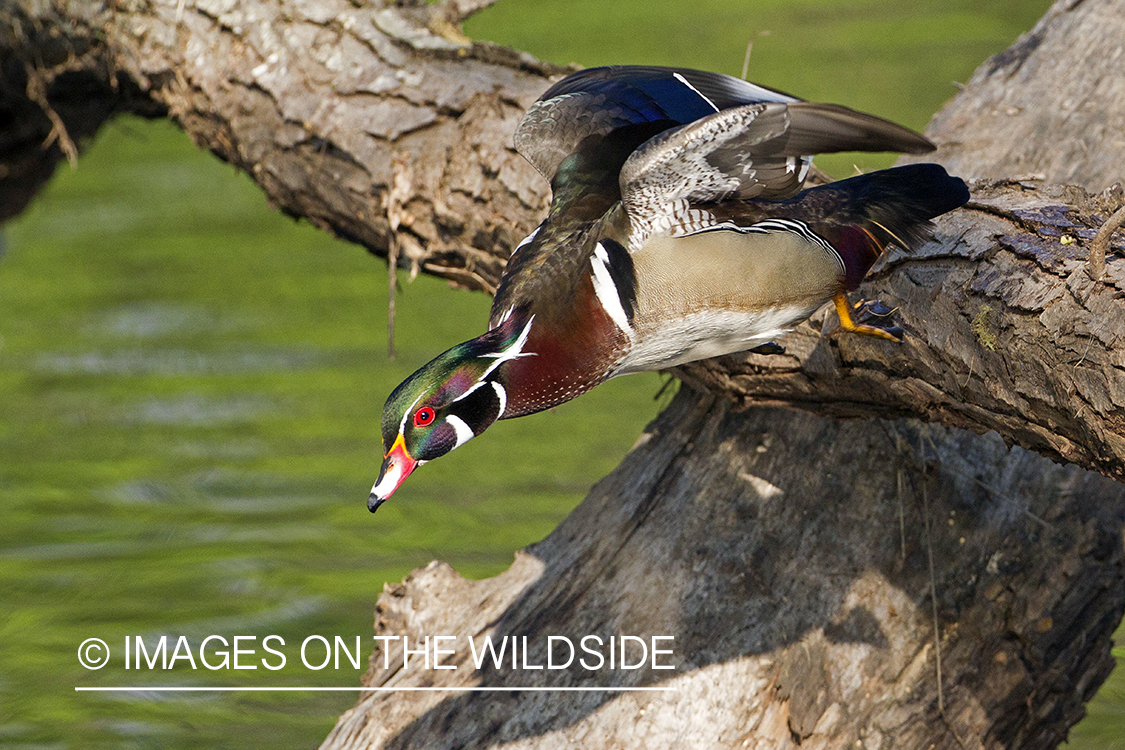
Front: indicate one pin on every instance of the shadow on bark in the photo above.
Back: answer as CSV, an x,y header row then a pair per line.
x,y
713,530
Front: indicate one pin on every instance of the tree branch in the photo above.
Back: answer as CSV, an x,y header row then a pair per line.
x,y
315,100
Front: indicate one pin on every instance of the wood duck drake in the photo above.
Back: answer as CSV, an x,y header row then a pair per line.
x,y
677,231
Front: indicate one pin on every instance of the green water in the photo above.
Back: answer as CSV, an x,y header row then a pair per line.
x,y
190,387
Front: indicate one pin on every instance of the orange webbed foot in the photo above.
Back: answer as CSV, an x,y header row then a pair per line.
x,y
868,309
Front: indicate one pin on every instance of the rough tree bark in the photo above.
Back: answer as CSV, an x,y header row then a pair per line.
x,y
373,122
827,582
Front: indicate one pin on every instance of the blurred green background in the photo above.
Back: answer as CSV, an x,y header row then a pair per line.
x,y
190,388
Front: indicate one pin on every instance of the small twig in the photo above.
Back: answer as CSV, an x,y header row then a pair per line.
x,y
998,494
1089,342
401,187
1095,264
465,277
664,387
901,444
58,133
1024,510
969,377
37,92
746,60
1036,518
933,590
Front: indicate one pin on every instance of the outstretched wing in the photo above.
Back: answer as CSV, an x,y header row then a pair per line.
x,y
753,151
597,101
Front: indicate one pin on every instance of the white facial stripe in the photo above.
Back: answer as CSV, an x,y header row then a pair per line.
x,y
406,414
606,290
476,385
512,352
502,395
684,81
464,432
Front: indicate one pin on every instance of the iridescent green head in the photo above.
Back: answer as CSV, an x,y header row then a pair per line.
x,y
446,403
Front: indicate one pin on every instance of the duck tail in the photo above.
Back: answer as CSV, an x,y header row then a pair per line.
x,y
889,207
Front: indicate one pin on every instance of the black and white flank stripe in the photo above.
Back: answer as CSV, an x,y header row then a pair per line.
x,y
615,283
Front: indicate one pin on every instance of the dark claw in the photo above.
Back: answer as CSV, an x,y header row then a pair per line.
x,y
867,309
769,348
875,314
895,331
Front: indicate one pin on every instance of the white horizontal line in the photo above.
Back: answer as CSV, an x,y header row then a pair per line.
x,y
479,689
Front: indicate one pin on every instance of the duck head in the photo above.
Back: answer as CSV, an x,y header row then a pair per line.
x,y
446,403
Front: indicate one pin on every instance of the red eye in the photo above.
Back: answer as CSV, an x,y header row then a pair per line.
x,y
423,416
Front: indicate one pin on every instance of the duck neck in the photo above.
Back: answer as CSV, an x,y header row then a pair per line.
x,y
561,360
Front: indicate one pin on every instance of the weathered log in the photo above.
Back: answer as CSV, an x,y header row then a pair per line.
x,y
801,601
812,571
